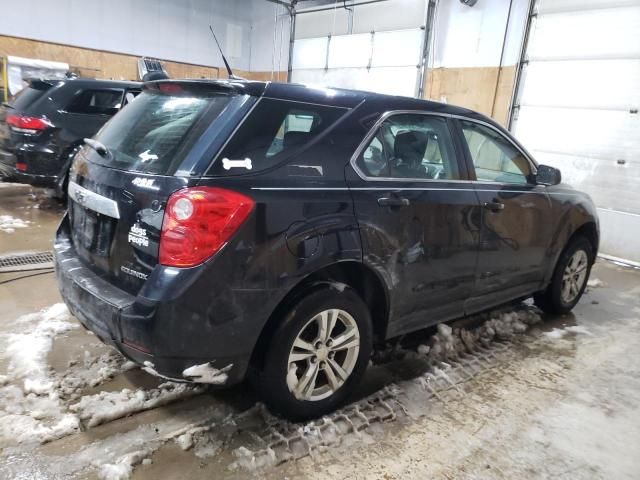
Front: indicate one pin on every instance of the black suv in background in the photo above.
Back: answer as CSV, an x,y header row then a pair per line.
x,y
44,124
222,228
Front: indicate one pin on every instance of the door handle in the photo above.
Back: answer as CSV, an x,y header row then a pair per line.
x,y
493,206
393,202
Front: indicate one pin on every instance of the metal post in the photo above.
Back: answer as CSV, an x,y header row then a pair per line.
x,y
504,45
292,38
516,91
429,16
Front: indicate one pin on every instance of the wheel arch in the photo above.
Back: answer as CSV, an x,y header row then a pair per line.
x,y
590,231
364,280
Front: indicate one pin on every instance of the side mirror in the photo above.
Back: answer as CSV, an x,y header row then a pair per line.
x,y
548,175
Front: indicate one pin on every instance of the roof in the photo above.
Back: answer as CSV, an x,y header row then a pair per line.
x,y
338,97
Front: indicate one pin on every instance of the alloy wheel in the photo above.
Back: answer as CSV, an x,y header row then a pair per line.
x,y
574,276
323,355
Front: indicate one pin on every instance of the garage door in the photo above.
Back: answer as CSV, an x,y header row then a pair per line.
x,y
577,107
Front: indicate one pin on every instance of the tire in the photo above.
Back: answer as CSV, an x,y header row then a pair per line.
x,y
283,384
559,297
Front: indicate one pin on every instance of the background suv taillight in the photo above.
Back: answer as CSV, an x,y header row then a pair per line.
x,y
25,124
198,222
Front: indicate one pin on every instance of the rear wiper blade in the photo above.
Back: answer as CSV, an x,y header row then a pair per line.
x,y
100,148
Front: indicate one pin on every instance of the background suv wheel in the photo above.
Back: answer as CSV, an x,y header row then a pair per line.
x,y
317,355
569,278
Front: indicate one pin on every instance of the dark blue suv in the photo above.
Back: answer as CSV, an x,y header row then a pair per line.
x,y
219,229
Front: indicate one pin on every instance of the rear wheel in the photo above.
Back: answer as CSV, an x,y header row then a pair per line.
x,y
569,278
317,355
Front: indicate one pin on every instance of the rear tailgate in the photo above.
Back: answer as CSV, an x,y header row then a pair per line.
x,y
116,220
152,148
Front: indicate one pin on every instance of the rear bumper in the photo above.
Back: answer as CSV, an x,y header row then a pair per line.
x,y
162,336
46,181
41,162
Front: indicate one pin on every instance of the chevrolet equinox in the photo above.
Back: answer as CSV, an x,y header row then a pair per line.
x,y
223,229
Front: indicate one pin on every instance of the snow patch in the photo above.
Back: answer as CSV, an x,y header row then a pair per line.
x,y
449,343
8,224
595,283
207,373
35,412
340,287
115,471
107,406
558,333
27,352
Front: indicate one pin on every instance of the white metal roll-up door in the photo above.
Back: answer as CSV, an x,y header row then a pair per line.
x,y
577,107
365,46
383,62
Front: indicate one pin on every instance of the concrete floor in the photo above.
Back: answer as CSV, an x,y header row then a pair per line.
x,y
561,401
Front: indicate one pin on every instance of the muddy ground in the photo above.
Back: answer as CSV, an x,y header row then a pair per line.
x,y
560,400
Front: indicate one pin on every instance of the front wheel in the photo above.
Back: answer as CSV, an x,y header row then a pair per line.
x,y
318,354
569,278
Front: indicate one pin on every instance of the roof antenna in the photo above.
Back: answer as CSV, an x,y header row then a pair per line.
x,y
224,59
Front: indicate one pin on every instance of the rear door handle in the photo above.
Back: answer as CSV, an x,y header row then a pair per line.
x,y
393,202
493,206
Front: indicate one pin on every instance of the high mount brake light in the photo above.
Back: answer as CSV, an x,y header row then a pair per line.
x,y
28,124
198,222
170,88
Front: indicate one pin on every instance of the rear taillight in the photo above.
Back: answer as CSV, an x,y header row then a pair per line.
x,y
198,222
25,124
21,166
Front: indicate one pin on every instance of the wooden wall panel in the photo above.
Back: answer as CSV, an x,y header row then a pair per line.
x,y
474,88
110,65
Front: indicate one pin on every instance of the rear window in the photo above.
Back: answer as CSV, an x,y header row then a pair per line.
x,y
29,95
274,131
96,102
154,133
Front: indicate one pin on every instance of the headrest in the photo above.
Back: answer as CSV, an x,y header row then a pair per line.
x,y
410,146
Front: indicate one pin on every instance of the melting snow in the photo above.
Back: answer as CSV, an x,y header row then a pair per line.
x,y
115,471
557,333
34,413
206,373
8,224
107,406
595,283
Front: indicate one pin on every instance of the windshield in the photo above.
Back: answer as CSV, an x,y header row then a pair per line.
x,y
155,131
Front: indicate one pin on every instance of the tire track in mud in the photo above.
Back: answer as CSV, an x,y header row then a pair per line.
x,y
280,441
254,439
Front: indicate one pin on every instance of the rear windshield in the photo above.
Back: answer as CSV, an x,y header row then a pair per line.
x,y
272,133
154,133
29,95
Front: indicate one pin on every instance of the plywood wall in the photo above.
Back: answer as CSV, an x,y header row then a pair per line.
x,y
110,65
474,88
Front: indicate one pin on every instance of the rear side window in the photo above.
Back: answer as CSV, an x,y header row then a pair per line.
x,y
155,132
272,132
96,102
29,95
